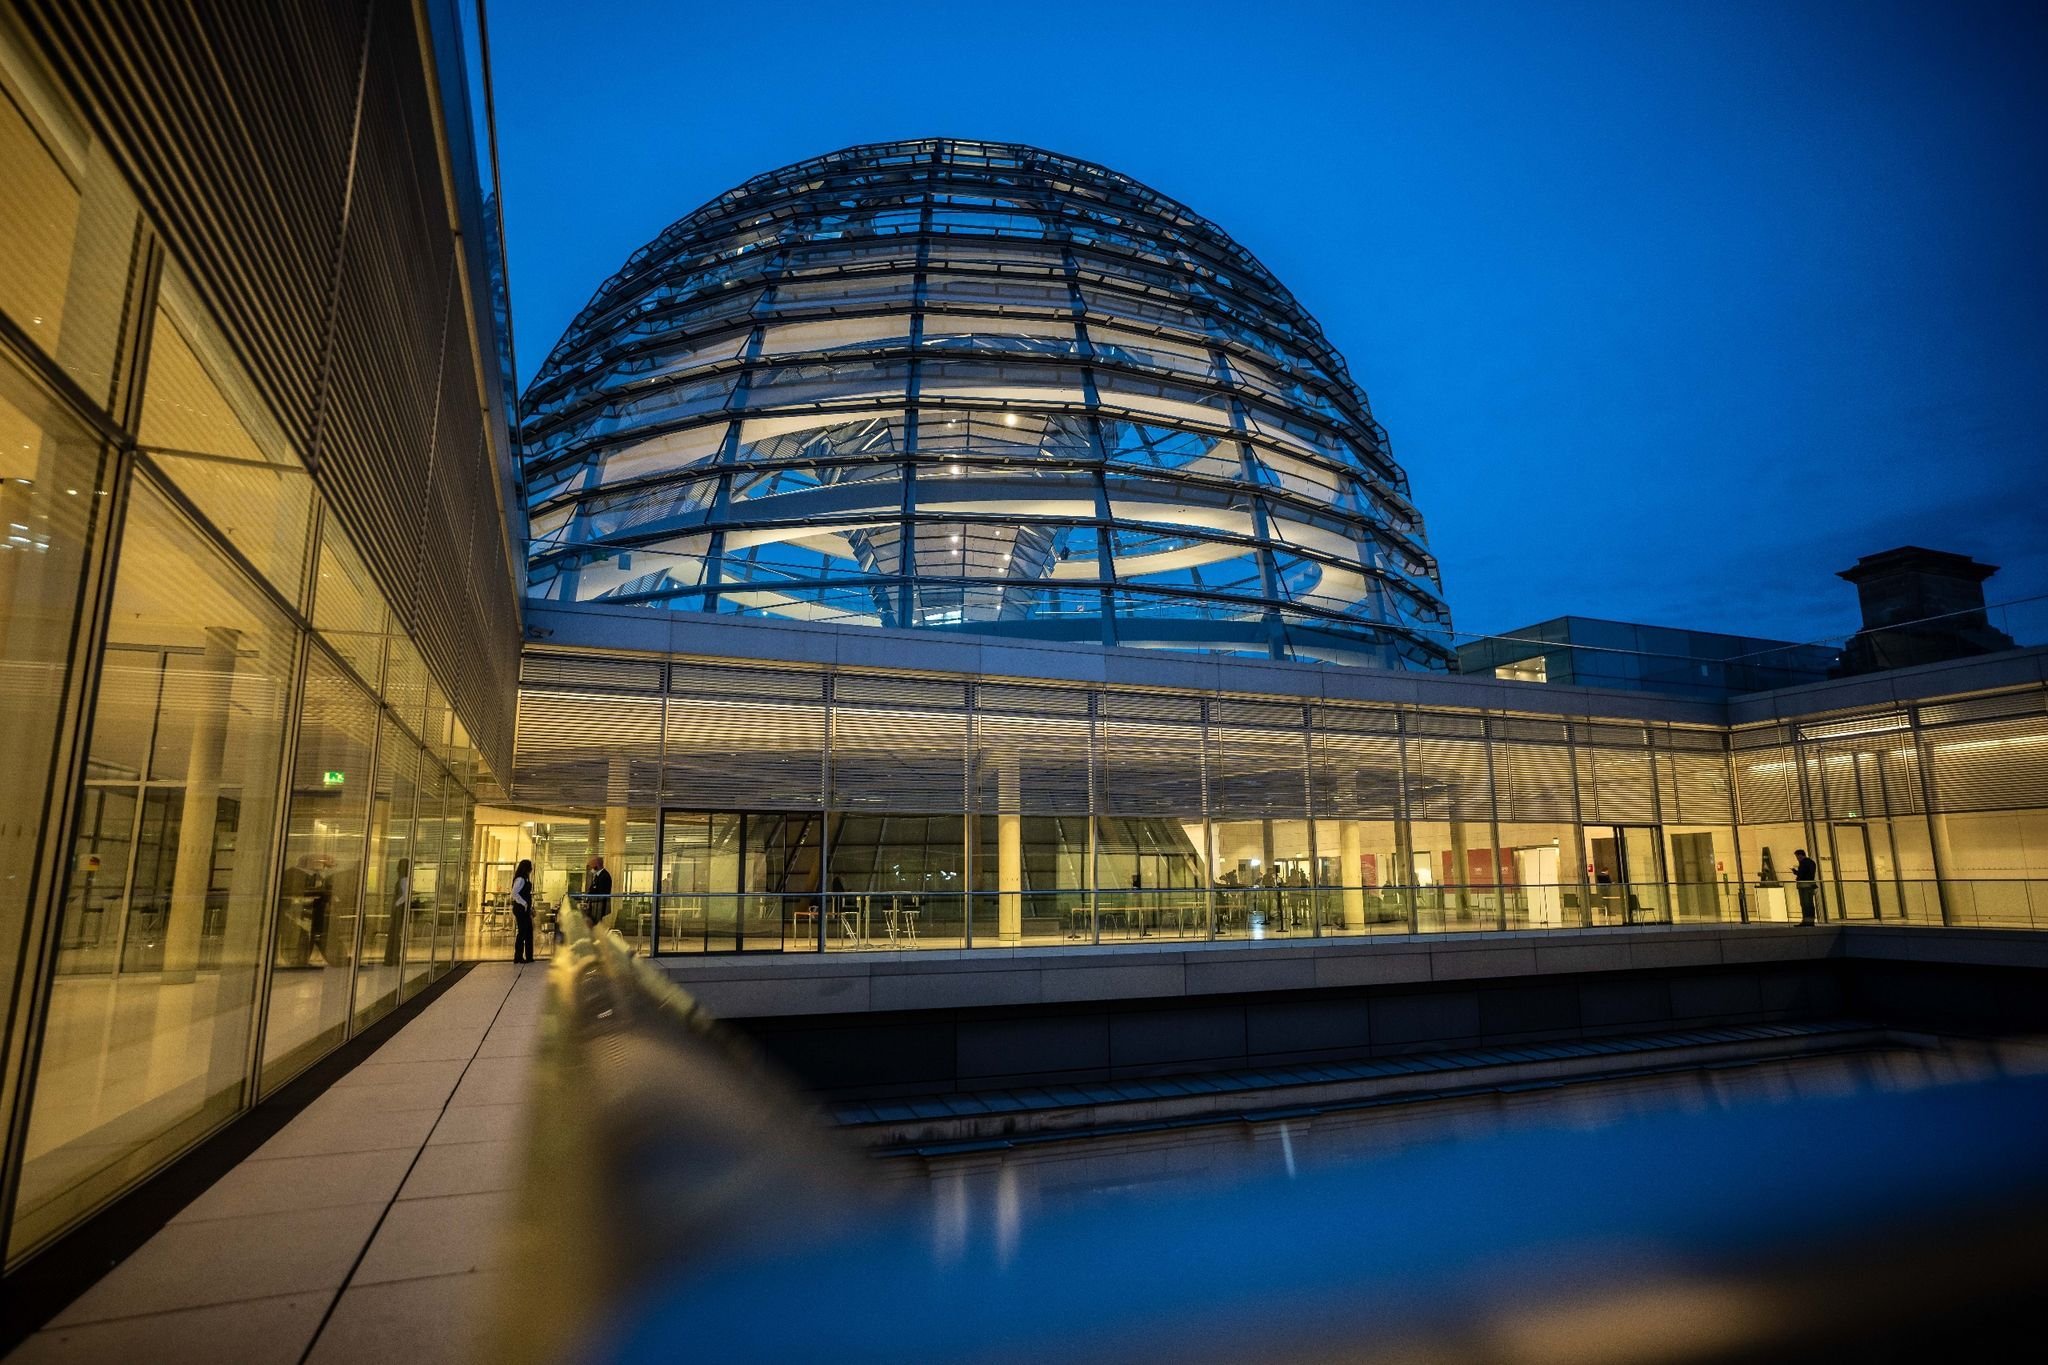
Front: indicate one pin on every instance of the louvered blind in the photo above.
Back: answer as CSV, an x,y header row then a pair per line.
x,y
898,758
588,747
1257,772
1038,764
1447,780
1989,765
1534,780
1615,786
1151,769
1694,789
1767,786
740,754
1355,776
875,690
2032,702
1031,701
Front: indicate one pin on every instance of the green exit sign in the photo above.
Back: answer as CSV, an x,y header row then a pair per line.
x,y
333,779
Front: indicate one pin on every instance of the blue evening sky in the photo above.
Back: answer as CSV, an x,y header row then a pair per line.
x,y
1671,310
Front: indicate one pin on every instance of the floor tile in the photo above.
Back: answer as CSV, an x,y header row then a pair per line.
x,y
480,1123
464,1168
335,1130
187,1265
422,1322
271,1331
302,1182
450,1235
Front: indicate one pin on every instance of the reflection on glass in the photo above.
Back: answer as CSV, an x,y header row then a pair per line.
x,y
149,1021
321,885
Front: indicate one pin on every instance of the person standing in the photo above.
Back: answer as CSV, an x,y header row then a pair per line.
x,y
597,892
522,911
1806,872
401,905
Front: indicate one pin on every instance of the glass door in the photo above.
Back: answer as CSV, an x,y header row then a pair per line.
x,y
736,881
1628,874
1855,869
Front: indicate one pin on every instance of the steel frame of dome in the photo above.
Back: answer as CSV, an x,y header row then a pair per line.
x,y
973,387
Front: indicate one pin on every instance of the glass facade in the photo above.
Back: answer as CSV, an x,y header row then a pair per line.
x,y
966,386
239,801
837,809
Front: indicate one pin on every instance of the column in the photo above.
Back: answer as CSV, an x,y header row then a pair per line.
x,y
1350,873
1009,852
194,868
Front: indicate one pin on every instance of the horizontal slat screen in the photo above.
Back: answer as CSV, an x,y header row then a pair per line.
x,y
1031,701
1534,781
737,754
899,759
1035,764
884,691
1151,706
713,680
556,755
1356,720
1990,765
1767,786
340,297
1356,777
2032,702
1151,769
1257,773
1432,723
1615,787
1447,780
1694,789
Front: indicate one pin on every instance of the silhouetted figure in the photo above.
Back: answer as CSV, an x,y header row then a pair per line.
x,y
597,892
1806,872
401,904
522,911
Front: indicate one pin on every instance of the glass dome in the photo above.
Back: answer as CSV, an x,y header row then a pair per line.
x,y
981,388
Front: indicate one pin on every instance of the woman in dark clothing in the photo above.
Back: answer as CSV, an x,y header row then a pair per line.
x,y
522,911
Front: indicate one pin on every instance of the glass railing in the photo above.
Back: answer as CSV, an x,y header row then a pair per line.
x,y
810,922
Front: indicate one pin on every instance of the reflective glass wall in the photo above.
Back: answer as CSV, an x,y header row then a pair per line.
x,y
237,818
800,811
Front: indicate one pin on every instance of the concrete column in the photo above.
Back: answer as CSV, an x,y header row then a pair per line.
x,y
1460,864
1009,852
1010,877
211,690
615,795
1350,873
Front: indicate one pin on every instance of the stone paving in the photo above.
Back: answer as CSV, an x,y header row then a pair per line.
x,y
368,1229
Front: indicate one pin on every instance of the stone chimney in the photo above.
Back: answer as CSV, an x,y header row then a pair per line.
x,y
1919,607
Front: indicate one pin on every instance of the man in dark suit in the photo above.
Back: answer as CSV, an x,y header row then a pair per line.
x,y
597,892
1806,872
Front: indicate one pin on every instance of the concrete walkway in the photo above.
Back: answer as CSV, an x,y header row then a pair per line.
x,y
366,1230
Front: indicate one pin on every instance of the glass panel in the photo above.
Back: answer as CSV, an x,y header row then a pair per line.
x,y
322,880
348,610
1262,873
67,222
1703,883
146,1044
389,893
1031,872
1151,878
421,912
51,499
700,882
1539,876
